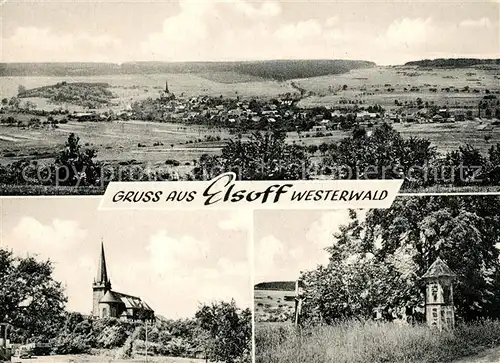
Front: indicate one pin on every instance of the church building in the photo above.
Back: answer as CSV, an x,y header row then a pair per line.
x,y
109,303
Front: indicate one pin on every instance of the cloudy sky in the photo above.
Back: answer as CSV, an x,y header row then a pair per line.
x,y
379,30
174,260
283,249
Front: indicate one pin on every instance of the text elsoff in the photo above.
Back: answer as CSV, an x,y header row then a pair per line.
x,y
225,191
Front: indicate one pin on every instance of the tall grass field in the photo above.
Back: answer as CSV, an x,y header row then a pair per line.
x,y
372,342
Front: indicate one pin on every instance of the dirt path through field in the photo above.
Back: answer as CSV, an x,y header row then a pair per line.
x,y
491,355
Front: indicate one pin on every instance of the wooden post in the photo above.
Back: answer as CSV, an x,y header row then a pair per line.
x,y
299,291
298,310
146,341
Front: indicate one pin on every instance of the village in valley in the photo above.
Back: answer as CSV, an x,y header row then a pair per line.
x,y
168,122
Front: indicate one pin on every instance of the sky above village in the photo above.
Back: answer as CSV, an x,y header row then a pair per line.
x,y
386,32
291,241
174,260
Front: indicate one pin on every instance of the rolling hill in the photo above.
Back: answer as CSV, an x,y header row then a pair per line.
x,y
269,69
453,62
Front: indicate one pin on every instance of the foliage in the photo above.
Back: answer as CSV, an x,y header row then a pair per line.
x,y
91,95
30,299
377,262
265,156
75,166
228,331
383,154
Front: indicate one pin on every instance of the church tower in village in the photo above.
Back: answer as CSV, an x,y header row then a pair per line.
x,y
107,303
101,284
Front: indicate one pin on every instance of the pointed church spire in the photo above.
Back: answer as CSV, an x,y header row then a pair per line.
x,y
102,272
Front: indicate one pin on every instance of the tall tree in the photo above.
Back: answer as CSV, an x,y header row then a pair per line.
x,y
76,166
30,299
377,262
381,154
265,156
228,329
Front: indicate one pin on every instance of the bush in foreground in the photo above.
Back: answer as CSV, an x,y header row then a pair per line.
x,y
360,342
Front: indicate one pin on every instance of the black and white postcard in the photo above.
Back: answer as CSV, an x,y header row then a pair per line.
x,y
250,181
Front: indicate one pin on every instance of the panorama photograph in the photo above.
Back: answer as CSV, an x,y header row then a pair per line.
x,y
418,282
82,286
100,91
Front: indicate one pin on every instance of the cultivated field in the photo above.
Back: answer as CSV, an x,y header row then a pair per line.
x,y
114,141
371,85
119,141
274,305
445,136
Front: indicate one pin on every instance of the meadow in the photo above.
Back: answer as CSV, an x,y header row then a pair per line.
x,y
115,141
371,86
369,342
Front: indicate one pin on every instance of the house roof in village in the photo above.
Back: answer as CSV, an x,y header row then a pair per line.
x,y
438,269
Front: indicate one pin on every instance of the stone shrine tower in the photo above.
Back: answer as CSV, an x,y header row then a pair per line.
x,y
439,309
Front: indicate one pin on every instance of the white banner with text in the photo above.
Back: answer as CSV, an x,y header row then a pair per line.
x,y
225,192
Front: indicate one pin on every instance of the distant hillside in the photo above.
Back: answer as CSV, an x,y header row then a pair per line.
x,y
276,285
272,69
91,95
453,62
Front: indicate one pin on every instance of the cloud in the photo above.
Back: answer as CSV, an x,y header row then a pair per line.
x,y
239,220
483,22
177,256
267,9
200,268
60,241
29,43
332,21
409,31
299,31
30,235
193,31
321,232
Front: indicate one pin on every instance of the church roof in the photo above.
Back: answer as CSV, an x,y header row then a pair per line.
x,y
438,269
134,302
131,302
111,297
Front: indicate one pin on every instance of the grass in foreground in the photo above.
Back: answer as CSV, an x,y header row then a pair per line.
x,y
372,342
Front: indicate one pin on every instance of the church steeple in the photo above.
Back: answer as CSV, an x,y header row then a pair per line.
x,y
102,272
101,283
